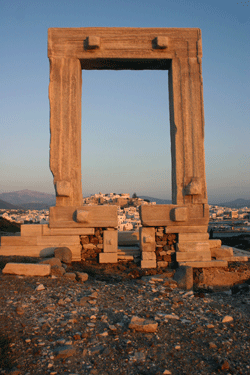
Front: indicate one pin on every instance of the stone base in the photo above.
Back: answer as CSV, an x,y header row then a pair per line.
x,y
148,263
108,258
33,242
205,264
193,256
128,238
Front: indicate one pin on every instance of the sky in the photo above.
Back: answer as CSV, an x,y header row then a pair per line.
x,y
125,115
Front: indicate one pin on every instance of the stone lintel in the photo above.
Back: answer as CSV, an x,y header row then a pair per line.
x,y
121,42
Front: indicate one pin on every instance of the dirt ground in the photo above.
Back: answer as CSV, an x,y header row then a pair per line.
x,y
83,328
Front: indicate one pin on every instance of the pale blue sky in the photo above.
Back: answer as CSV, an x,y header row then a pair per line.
x,y
125,131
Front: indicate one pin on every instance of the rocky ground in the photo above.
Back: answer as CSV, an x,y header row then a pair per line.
x,y
54,325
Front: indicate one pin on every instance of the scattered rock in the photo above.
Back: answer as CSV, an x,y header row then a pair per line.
x,y
64,351
227,319
20,310
70,275
142,325
171,316
241,288
40,287
82,276
96,349
57,270
212,345
225,366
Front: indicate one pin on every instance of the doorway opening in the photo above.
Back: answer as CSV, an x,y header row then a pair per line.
x,y
126,133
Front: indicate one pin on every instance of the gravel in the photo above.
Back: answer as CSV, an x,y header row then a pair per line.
x,y
70,327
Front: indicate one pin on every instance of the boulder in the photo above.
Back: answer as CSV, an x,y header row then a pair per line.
x,y
52,262
82,276
64,254
57,271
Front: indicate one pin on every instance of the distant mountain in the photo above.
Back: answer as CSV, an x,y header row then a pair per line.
x,y
24,197
157,200
237,203
6,205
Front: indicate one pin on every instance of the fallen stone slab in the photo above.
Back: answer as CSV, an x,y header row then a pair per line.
x,y
29,269
142,325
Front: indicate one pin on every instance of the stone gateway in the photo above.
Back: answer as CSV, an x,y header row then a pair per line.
x,y
94,228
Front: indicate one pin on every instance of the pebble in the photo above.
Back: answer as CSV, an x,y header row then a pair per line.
x,y
63,334
227,319
40,287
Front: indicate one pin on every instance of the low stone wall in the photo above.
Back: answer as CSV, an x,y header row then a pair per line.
x,y
92,245
158,249
164,247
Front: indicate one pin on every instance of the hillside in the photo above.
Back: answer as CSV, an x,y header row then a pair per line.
x,y
237,203
157,200
22,197
7,206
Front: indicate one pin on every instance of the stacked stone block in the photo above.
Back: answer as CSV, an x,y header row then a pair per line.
x,y
157,247
165,247
194,246
92,245
102,246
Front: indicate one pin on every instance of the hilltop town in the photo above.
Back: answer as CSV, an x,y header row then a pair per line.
x,y
221,219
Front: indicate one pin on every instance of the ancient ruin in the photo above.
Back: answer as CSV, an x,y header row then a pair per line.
x,y
180,52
